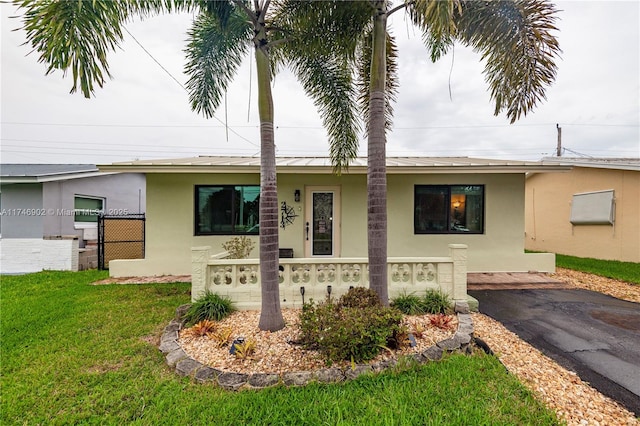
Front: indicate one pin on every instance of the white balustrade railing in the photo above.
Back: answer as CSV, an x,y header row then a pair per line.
x,y
303,279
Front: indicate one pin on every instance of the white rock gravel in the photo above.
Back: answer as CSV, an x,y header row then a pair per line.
x,y
276,354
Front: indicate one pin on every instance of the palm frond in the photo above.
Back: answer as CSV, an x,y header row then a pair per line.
x,y
364,77
214,53
328,81
516,41
323,27
436,19
75,35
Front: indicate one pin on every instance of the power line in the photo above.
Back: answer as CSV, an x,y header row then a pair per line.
x,y
215,126
222,125
184,88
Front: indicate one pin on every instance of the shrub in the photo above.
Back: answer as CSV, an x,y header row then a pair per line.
x,y
202,328
239,247
360,297
436,302
348,333
246,349
210,306
441,321
221,337
409,304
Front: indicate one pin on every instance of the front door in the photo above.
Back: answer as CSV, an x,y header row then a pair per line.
x,y
322,221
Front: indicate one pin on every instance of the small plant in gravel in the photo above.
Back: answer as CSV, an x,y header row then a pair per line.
x,y
436,302
221,337
344,332
442,321
418,329
246,349
201,328
432,302
210,306
409,304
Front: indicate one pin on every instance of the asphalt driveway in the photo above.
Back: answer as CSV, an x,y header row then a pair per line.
x,y
593,334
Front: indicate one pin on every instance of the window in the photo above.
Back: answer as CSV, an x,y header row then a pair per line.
x,y
448,209
87,209
227,209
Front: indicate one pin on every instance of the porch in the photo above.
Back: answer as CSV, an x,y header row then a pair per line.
x,y
303,279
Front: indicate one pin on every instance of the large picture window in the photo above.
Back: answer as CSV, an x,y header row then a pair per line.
x,y
448,209
227,209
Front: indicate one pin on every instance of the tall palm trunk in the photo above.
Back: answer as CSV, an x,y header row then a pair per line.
x,y
377,170
270,315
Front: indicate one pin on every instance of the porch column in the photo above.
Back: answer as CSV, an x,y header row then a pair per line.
x,y
458,253
199,270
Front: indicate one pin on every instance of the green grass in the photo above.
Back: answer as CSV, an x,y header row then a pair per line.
x,y
624,271
73,353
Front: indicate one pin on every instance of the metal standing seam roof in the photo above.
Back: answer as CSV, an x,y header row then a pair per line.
x,y
323,165
597,163
34,173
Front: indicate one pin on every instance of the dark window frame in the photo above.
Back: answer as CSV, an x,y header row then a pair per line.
x,y
448,228
233,231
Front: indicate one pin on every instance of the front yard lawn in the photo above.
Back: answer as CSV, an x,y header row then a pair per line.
x,y
75,353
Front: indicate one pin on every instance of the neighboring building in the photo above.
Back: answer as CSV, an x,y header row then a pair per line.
x,y
592,211
49,212
432,202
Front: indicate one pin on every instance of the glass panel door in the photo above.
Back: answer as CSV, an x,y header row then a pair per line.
x,y
322,224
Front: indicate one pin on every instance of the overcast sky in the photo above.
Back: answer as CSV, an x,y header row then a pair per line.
x,y
443,109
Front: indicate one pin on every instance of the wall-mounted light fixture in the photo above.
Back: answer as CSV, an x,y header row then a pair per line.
x,y
296,195
456,204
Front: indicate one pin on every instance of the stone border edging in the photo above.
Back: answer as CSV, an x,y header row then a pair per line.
x,y
184,365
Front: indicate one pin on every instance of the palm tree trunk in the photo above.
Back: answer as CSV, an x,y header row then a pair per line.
x,y
376,171
270,315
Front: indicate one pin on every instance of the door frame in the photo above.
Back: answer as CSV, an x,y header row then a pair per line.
x,y
309,190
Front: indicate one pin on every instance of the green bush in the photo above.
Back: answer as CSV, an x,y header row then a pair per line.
x,y
360,297
436,302
348,333
210,306
409,304
432,302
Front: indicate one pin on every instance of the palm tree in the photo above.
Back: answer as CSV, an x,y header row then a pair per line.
x,y
78,36
513,37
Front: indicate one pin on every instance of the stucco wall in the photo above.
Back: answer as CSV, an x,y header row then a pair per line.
x,y
548,210
122,192
170,221
23,216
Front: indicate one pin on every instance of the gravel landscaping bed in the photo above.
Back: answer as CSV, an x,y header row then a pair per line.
x,y
275,352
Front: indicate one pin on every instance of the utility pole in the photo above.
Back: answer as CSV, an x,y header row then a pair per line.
x,y
559,147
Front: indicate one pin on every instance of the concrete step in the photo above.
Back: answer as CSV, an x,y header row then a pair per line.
x,y
512,281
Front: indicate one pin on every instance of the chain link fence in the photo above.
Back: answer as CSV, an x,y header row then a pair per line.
x,y
120,237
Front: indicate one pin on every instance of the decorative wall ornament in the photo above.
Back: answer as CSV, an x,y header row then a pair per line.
x,y
248,274
326,273
287,215
351,273
300,273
